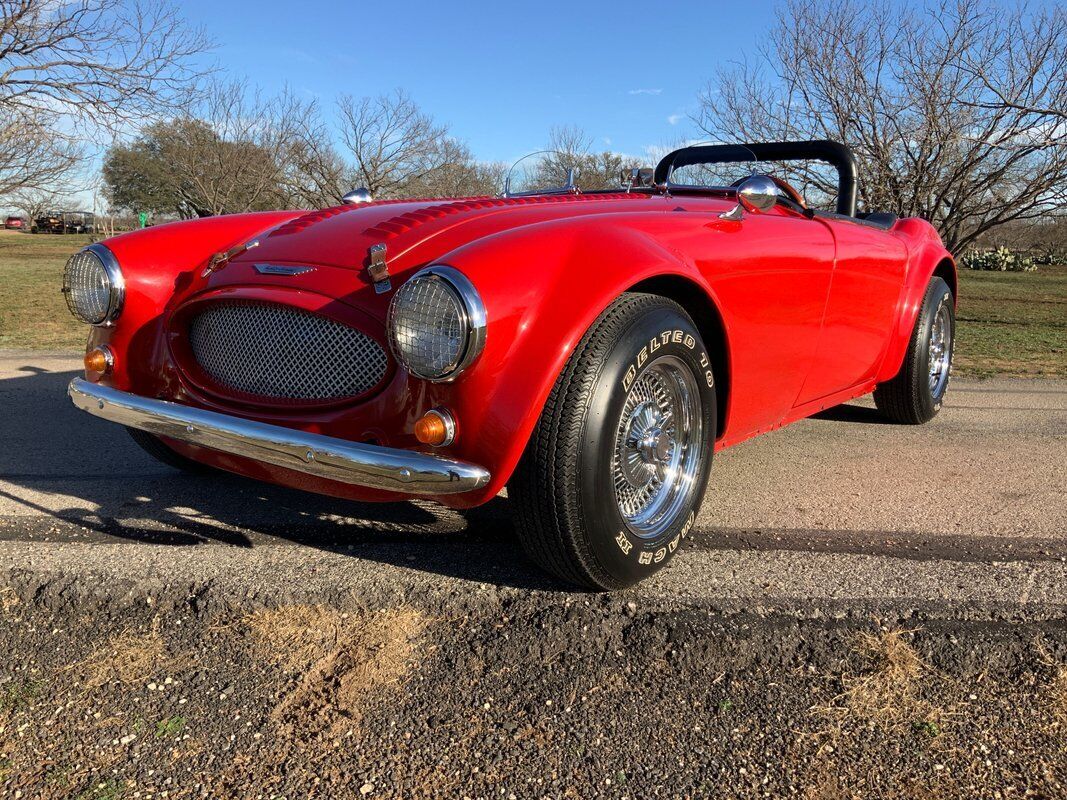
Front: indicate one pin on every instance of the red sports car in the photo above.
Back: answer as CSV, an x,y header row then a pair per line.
x,y
590,350
14,223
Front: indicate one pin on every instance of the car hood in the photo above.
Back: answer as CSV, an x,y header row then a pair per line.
x,y
420,230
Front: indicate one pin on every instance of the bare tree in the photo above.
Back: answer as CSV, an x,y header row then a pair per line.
x,y
72,69
570,148
956,111
393,143
397,150
314,173
106,61
34,203
227,155
459,174
33,155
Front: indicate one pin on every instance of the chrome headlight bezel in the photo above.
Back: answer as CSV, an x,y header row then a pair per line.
x,y
472,321
116,285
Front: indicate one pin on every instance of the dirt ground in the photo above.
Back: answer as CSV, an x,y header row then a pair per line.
x,y
542,695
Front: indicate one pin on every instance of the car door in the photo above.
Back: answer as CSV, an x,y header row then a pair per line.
x,y
770,275
868,278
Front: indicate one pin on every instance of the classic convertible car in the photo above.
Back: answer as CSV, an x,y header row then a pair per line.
x,y
590,350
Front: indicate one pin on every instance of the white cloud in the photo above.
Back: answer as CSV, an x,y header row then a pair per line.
x,y
607,141
645,91
674,119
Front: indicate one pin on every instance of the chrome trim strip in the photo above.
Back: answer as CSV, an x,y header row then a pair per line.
x,y
117,293
474,314
281,269
475,311
384,468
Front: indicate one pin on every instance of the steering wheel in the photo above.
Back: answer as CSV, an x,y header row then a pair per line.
x,y
790,192
785,188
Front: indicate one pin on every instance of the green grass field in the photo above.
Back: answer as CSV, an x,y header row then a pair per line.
x,y
33,314
1010,323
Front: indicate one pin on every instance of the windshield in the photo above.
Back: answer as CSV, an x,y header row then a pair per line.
x,y
559,172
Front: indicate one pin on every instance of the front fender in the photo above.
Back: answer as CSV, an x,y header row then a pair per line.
x,y
158,263
543,286
926,256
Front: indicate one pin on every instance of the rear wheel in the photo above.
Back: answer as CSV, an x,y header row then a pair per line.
x,y
915,395
615,471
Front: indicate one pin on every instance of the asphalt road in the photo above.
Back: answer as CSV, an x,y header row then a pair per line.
x,y
967,514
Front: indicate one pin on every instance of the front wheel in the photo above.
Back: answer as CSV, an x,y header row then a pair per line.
x,y
165,455
614,474
915,394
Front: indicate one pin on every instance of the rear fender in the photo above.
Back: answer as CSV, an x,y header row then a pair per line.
x,y
543,287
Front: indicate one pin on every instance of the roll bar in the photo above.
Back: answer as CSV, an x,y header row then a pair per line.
x,y
834,153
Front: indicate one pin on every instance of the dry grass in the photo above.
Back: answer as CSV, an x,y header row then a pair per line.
x,y
1059,696
889,690
1012,323
8,599
295,637
127,658
887,693
342,660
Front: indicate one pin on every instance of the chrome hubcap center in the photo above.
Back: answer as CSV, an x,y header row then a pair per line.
x,y
939,353
657,446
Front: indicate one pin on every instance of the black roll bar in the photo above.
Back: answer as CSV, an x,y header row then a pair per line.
x,y
834,153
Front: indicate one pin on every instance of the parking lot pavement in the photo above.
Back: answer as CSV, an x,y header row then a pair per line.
x,y
968,512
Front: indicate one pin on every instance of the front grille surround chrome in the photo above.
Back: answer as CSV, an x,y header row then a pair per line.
x,y
282,354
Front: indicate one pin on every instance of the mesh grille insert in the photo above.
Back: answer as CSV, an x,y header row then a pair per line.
x,y
283,353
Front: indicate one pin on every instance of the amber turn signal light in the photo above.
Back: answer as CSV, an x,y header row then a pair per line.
x,y
436,427
99,359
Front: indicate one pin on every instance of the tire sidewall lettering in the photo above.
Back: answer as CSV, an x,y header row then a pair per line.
x,y
673,336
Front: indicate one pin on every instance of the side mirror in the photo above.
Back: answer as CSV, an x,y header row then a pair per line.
x,y
756,194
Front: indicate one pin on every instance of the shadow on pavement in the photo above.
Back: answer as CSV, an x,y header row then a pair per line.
x,y
850,413
54,452
72,467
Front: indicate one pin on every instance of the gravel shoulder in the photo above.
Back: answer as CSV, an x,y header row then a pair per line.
x,y
863,610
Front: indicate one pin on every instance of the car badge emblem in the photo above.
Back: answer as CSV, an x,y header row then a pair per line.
x,y
278,269
378,269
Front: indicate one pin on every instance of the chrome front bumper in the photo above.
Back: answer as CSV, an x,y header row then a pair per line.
x,y
385,468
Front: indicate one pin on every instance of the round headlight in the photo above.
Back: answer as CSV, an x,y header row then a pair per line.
x,y
93,285
436,323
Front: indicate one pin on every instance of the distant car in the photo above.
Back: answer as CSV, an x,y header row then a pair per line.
x,y
15,223
66,222
78,222
49,222
590,350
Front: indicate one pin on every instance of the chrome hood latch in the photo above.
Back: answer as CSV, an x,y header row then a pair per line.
x,y
378,269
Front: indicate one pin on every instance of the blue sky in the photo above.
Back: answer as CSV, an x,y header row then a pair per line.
x,y
499,74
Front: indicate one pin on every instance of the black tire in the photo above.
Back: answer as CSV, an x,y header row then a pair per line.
x,y
568,518
164,454
909,397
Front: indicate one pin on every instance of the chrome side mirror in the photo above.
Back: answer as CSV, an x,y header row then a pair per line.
x,y
756,194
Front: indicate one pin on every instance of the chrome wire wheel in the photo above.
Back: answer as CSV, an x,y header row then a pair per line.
x,y
657,454
940,352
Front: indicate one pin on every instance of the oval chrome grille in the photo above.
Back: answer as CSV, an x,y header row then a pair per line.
x,y
282,353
